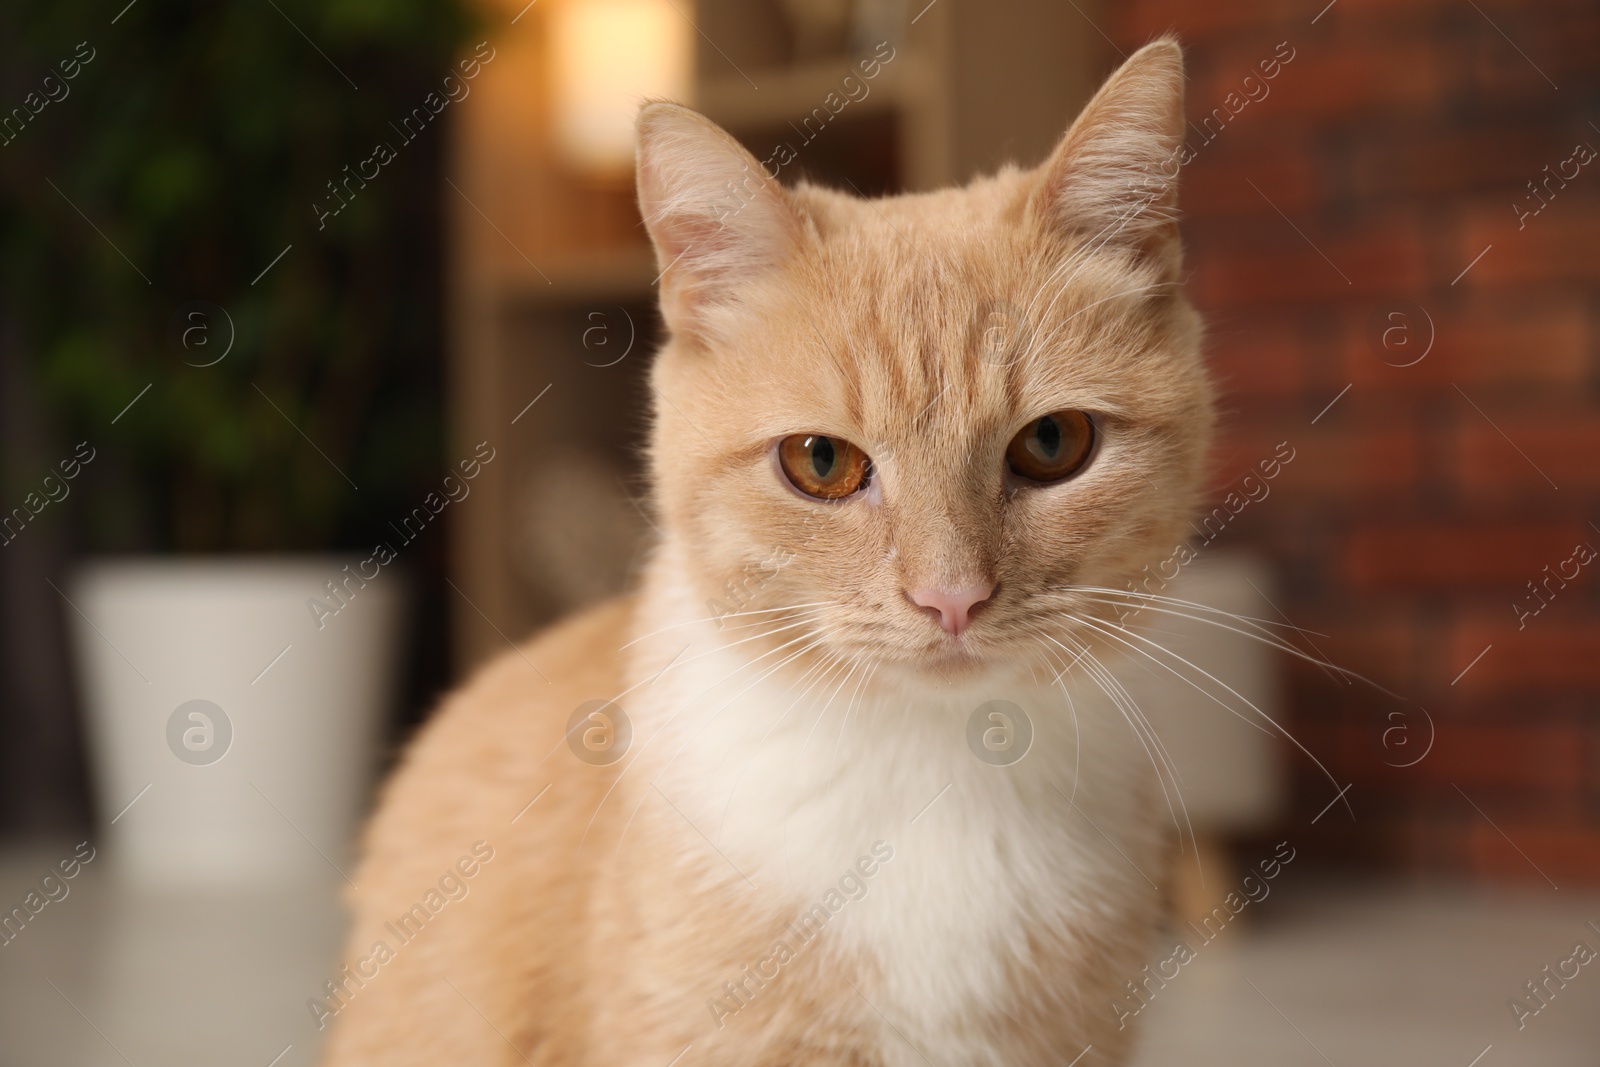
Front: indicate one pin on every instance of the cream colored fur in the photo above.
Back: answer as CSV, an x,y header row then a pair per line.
x,y
824,723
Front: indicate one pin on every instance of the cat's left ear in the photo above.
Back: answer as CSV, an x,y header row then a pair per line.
x,y
1114,175
716,217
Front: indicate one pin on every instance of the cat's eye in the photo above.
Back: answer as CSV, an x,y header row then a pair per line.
x,y
828,468
1051,448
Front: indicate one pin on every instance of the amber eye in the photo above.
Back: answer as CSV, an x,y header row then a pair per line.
x,y
824,467
1051,448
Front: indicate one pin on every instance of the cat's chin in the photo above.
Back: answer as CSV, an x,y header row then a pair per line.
x,y
954,663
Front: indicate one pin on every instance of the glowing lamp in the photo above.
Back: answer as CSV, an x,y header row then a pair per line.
x,y
609,56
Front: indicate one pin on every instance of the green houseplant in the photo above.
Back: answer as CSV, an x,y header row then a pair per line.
x,y
183,158
251,377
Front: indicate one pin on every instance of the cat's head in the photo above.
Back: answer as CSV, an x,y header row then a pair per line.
x,y
925,424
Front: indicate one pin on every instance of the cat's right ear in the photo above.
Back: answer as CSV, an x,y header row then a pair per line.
x,y
1113,178
715,216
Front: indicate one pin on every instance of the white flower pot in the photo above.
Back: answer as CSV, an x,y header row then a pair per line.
x,y
231,730
1230,759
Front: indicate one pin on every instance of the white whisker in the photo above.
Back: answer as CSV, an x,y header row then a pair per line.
x,y
771,669
1276,725
767,673
822,669
639,754
848,708
855,664
1264,636
1193,605
1058,676
730,615
673,665
1160,759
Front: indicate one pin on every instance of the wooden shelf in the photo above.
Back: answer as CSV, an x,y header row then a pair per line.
x,y
625,274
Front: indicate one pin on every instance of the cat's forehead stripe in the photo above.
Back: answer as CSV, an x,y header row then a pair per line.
x,y
914,349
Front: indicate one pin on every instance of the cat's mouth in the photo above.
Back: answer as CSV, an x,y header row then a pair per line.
x,y
954,663
981,649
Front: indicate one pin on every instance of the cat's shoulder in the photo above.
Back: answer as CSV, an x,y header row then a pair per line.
x,y
499,731
580,656
519,700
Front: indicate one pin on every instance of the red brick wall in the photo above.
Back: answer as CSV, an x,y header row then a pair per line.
x,y
1419,506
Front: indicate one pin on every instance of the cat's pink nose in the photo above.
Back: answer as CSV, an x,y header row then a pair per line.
x,y
954,607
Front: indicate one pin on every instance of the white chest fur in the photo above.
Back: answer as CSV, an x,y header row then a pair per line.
x,y
795,781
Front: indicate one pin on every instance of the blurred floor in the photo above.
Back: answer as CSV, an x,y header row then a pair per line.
x,y
1379,976
101,978
1385,976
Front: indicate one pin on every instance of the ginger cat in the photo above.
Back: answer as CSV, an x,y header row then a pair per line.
x,y
886,809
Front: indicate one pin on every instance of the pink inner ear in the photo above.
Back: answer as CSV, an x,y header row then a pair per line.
x,y
1114,173
714,216
702,254
709,240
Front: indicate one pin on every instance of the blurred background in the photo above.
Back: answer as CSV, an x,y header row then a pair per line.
x,y
324,330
